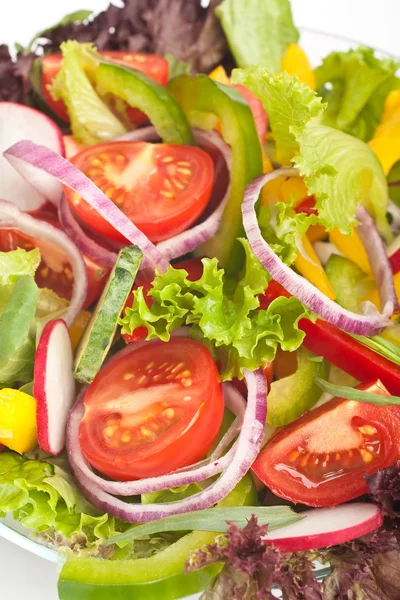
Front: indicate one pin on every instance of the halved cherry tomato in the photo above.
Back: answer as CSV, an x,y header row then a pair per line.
x,y
153,410
194,268
152,65
162,188
55,271
321,458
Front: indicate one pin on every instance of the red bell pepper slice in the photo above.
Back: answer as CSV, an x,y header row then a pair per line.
x,y
395,261
341,349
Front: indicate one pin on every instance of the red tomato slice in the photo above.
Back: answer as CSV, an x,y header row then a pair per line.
x,y
194,268
162,188
153,410
321,459
152,65
55,271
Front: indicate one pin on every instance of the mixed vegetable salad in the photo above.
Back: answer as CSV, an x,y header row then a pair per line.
x,y
199,282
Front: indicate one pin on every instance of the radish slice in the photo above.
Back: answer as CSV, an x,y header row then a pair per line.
x,y
323,527
297,285
17,122
12,217
54,385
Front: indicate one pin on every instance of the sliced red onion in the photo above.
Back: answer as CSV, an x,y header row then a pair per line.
x,y
379,262
45,160
12,217
295,284
247,448
192,474
86,245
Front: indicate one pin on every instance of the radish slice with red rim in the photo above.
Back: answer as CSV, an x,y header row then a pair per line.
x,y
295,284
322,527
25,154
12,217
16,122
54,385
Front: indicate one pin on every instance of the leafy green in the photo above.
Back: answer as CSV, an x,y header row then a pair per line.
x,y
213,519
230,324
289,103
177,67
44,497
91,120
342,391
355,85
382,346
171,495
258,32
16,263
283,228
78,16
342,172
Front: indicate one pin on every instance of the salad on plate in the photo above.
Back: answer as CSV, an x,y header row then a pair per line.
x,y
199,314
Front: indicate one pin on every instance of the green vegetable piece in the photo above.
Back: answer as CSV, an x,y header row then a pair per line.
x,y
78,16
15,322
206,102
350,283
92,122
350,393
16,263
152,98
382,346
291,396
160,576
258,32
102,326
394,183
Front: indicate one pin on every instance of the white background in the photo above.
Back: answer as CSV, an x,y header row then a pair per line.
x,y
22,575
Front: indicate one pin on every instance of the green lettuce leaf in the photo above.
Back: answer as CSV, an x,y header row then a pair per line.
x,y
355,85
283,228
290,105
92,122
16,263
230,324
258,32
177,67
342,172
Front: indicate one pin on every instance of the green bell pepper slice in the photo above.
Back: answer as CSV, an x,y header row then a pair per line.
x,y
206,102
160,577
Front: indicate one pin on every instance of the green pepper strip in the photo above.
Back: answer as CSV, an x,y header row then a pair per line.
x,y
159,577
206,102
140,91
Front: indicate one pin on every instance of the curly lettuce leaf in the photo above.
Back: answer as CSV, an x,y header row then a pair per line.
x,y
289,103
230,324
16,263
258,32
342,172
355,85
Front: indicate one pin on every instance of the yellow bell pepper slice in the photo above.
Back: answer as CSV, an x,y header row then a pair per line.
x,y
295,62
386,141
374,295
351,247
78,327
17,420
313,270
219,74
316,233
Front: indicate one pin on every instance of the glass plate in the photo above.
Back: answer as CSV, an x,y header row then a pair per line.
x,y
316,45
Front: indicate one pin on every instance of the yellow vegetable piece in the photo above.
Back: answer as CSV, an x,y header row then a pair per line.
x,y
17,420
295,62
374,295
294,187
386,141
351,247
78,327
316,233
313,270
219,74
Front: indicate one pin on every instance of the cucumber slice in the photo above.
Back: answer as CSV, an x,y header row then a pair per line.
x,y
100,331
291,396
350,283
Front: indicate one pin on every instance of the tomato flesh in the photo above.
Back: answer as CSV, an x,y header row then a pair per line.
x,y
321,458
162,188
153,410
54,271
152,65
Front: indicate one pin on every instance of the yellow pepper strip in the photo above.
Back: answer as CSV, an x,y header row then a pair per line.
x,y
351,247
313,270
386,141
17,420
219,74
78,327
295,62
316,233
374,295
294,187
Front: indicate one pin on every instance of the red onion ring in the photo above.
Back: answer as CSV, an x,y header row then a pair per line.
x,y
379,261
295,284
25,154
247,448
11,216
